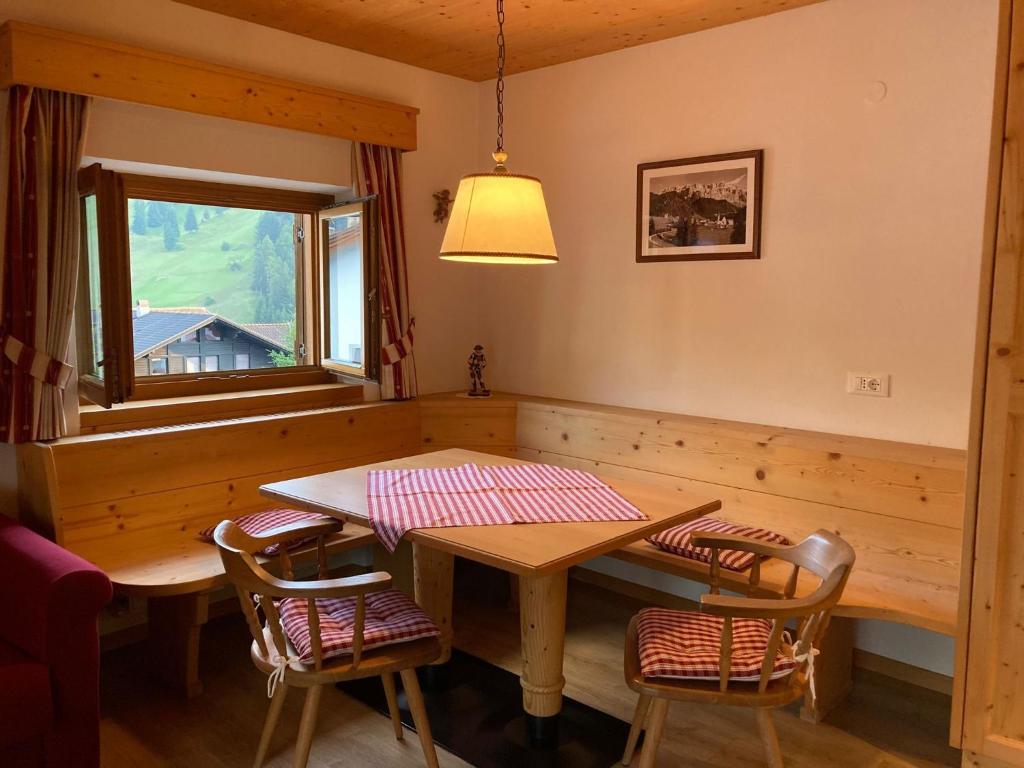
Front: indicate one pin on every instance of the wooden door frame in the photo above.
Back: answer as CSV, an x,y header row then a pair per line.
x,y
969,715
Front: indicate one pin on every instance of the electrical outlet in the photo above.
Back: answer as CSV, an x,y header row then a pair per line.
x,y
870,384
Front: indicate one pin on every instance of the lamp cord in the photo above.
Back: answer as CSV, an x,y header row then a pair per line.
x,y
499,88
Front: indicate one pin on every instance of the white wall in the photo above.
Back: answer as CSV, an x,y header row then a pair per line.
x,y
447,134
872,221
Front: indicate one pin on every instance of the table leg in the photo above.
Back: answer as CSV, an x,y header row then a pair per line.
x,y
542,624
433,577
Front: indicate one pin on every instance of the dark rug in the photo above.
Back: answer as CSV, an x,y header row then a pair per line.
x,y
476,712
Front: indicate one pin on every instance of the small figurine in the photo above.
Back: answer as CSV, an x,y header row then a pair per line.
x,y
442,202
477,363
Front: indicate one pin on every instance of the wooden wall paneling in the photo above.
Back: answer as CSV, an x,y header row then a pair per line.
x,y
906,571
49,58
487,424
993,706
986,276
102,467
916,482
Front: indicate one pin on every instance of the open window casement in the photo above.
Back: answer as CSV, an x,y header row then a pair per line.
x,y
103,330
194,288
349,277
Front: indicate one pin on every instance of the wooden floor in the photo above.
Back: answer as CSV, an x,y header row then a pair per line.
x,y
885,724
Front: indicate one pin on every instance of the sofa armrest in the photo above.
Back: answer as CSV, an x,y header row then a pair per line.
x,y
49,603
47,592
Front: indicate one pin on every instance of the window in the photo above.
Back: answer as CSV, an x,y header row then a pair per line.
x,y
350,288
202,274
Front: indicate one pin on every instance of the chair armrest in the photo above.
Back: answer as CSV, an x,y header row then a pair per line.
x,y
742,543
303,529
350,586
759,607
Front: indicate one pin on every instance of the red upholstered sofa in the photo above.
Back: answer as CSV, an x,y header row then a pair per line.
x,y
49,652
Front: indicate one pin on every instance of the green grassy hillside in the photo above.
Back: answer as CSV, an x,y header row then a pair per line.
x,y
201,271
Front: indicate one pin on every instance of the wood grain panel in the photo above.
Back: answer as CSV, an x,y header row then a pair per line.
x,y
457,36
993,630
98,468
485,425
63,61
906,571
184,410
909,481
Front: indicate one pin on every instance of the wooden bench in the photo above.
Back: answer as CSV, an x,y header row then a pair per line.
x,y
134,502
899,505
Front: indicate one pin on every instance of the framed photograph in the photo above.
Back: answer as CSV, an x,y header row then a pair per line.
x,y
699,208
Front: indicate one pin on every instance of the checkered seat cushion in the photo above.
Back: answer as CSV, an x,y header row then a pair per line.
x,y
679,541
685,645
391,618
266,520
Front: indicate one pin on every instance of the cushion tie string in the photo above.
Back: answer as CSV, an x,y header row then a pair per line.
x,y
277,676
801,655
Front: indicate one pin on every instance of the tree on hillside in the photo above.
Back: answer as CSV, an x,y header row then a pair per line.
x,y
139,217
206,214
171,231
191,225
285,359
154,214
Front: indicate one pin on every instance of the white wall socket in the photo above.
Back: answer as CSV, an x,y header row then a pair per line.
x,y
871,384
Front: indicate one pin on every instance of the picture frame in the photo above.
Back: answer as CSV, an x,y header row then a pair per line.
x,y
700,208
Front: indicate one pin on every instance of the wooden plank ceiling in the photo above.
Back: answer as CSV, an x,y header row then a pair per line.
x,y
457,37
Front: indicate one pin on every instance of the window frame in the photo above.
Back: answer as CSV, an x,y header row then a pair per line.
x,y
369,211
116,356
306,204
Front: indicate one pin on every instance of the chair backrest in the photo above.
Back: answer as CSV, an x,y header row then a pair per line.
x,y
823,554
257,587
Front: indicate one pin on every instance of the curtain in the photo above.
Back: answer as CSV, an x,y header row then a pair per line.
x,y
44,134
378,172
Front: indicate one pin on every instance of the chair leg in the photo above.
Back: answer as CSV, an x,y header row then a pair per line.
x,y
419,715
273,713
655,728
769,738
642,705
392,696
307,726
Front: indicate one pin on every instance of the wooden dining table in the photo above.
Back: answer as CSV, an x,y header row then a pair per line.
x,y
539,554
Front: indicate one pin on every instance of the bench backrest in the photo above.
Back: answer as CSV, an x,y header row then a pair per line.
x,y
899,505
97,493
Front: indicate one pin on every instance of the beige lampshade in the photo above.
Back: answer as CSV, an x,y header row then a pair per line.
x,y
499,218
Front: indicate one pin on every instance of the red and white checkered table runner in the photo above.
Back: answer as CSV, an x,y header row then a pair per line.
x,y
401,499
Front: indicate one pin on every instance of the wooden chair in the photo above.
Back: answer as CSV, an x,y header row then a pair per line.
x,y
823,554
273,652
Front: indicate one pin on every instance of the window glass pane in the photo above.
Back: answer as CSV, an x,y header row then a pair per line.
x,y
241,361
92,246
344,236
211,280
157,366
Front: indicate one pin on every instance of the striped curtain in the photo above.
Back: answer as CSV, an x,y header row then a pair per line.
x,y
43,136
378,171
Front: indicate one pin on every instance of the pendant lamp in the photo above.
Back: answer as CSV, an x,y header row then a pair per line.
x,y
499,217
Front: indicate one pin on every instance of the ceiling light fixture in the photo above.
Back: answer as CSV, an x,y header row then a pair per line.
x,y
499,217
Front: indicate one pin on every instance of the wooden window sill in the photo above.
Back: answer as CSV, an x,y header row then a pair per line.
x,y
169,411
